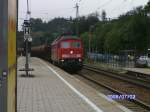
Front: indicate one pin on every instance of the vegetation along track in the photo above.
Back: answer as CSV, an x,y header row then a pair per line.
x,y
120,84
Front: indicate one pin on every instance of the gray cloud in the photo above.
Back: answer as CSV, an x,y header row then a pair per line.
x,y
48,9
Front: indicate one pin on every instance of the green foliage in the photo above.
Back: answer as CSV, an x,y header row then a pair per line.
x,y
129,32
46,32
85,39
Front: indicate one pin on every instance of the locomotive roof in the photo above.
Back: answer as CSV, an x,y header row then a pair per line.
x,y
68,37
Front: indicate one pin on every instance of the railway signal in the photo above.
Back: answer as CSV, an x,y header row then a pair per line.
x,y
27,37
27,41
27,45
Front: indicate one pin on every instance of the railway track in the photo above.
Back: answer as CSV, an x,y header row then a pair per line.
x,y
139,80
95,76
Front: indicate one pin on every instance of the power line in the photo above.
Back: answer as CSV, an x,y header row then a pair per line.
x,y
118,6
103,5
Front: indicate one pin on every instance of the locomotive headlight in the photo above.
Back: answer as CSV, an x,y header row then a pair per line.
x,y
62,60
71,52
80,60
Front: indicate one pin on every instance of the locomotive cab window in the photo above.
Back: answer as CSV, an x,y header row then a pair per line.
x,y
76,44
65,45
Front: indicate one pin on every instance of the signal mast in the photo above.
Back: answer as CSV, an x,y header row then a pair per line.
x,y
77,17
27,40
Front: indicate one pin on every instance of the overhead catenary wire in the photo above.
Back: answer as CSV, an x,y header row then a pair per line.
x,y
105,4
46,15
62,10
120,5
116,7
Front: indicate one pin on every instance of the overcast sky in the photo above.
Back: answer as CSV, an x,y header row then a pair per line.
x,y
48,9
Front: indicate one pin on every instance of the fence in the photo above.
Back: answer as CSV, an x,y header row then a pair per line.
x,y
111,60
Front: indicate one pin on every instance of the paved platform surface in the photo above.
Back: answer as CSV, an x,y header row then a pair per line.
x,y
139,70
49,89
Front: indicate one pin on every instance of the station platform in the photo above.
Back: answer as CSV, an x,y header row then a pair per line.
x,y
145,71
50,89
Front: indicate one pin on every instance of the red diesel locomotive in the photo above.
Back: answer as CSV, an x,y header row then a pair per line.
x,y
67,52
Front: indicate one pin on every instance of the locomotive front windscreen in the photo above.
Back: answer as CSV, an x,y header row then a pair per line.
x,y
65,45
70,45
76,45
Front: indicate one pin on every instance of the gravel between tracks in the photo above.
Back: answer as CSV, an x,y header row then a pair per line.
x,y
105,91
141,93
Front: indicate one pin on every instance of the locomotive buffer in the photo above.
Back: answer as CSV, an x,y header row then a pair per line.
x,y
27,46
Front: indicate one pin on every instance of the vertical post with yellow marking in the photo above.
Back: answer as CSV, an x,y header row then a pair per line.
x,y
8,19
11,83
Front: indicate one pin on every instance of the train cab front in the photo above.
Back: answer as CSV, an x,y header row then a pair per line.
x,y
71,54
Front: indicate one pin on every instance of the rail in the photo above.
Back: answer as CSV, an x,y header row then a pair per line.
x,y
135,79
123,77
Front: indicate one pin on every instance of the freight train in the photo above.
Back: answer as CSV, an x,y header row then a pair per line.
x,y
42,51
65,51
